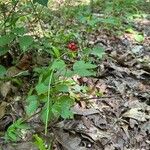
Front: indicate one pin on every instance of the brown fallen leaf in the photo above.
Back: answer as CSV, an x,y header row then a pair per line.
x,y
25,62
67,141
136,114
2,109
84,112
12,71
5,88
19,146
5,121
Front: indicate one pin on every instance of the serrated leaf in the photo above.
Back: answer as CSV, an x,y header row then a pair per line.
x,y
25,42
62,107
6,39
98,51
2,71
84,68
41,88
12,136
42,2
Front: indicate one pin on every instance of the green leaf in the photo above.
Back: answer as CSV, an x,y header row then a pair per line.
x,y
6,39
42,2
44,114
3,51
56,51
25,42
58,65
32,104
84,68
2,71
98,51
12,136
62,88
39,142
129,30
41,88
139,38
62,107
19,31
14,131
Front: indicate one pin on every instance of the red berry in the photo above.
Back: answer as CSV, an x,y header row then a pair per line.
x,y
72,46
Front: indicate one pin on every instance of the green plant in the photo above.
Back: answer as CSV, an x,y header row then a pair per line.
x,y
55,92
53,89
39,142
15,131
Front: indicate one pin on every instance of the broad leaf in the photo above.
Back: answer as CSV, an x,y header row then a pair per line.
x,y
58,65
19,31
98,51
62,107
6,39
3,50
32,104
25,42
84,68
41,88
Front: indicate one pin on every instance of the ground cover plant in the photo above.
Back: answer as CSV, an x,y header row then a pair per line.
x,y
74,74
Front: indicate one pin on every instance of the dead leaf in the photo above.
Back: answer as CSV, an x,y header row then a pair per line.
x,y
25,62
84,112
5,121
96,134
135,113
5,88
12,71
2,109
19,146
67,141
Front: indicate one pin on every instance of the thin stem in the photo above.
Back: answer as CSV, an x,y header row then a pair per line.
x,y
49,103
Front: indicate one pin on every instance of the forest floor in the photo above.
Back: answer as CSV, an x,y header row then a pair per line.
x,y
119,119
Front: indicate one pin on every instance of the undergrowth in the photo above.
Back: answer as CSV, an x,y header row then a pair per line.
x,y
30,26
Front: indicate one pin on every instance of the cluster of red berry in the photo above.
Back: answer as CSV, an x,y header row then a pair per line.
x,y
72,46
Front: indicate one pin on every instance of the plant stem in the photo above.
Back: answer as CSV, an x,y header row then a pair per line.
x,y
49,102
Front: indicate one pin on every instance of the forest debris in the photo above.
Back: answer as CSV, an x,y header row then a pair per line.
x,y
67,141
135,113
84,112
2,109
5,88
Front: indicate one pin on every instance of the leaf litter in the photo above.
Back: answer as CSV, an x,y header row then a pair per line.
x,y
114,114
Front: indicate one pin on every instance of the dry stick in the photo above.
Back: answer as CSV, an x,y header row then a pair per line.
x,y
97,98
